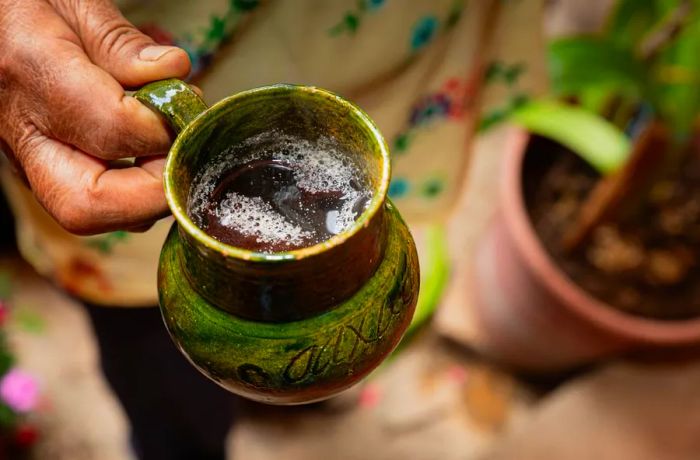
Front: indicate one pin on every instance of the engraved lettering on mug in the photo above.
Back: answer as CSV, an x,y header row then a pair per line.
x,y
316,359
252,375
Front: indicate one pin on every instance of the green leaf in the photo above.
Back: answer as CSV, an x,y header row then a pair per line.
x,y
630,21
678,78
581,64
592,137
595,99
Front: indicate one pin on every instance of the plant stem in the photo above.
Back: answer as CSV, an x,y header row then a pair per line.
x,y
613,191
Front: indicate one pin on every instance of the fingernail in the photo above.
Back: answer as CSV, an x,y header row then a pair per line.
x,y
153,53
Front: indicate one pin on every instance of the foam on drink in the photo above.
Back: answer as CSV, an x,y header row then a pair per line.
x,y
275,193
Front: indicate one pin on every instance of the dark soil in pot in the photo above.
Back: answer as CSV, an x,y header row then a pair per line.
x,y
646,263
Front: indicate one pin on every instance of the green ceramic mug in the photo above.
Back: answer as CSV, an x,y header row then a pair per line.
x,y
287,327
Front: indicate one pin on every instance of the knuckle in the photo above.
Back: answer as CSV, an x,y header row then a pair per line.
x,y
101,145
65,206
76,212
27,138
72,220
94,195
115,36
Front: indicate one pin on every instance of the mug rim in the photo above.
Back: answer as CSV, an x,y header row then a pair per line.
x,y
183,219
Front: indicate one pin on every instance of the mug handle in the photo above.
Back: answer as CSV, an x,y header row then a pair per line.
x,y
174,100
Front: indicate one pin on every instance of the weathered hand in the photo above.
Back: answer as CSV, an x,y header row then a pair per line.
x,y
64,115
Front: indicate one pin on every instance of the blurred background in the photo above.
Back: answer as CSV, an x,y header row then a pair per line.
x,y
491,373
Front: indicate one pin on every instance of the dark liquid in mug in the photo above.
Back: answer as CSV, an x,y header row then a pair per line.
x,y
281,204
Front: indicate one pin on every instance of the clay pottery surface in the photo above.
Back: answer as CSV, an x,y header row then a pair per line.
x,y
285,327
532,315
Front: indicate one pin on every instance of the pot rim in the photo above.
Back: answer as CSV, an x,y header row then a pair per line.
x,y
572,296
375,204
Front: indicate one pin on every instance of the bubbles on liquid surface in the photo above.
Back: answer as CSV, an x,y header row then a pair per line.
x,y
275,193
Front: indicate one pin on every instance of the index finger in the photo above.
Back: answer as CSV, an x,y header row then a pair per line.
x,y
87,197
73,100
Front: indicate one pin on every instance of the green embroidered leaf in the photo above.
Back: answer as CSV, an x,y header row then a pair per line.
x,y
352,22
29,321
492,118
592,137
402,142
105,244
513,73
455,14
217,29
120,235
501,114
336,29
244,5
493,71
433,187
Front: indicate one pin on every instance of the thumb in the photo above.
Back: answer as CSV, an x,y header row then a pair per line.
x,y
118,47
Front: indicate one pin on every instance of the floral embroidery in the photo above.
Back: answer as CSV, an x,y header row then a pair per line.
x,y
447,103
19,391
427,27
374,4
500,72
450,102
78,271
455,14
352,19
202,46
433,187
398,188
423,32
105,243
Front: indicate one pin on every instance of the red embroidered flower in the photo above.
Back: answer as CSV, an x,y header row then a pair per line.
x,y
26,435
452,85
3,312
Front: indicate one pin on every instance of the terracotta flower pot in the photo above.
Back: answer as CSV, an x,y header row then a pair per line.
x,y
531,315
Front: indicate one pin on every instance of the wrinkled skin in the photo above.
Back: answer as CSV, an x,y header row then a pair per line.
x,y
64,116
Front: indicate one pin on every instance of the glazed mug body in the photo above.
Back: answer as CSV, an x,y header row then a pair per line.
x,y
283,327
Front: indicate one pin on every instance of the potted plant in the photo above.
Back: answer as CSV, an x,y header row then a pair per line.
x,y
594,249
